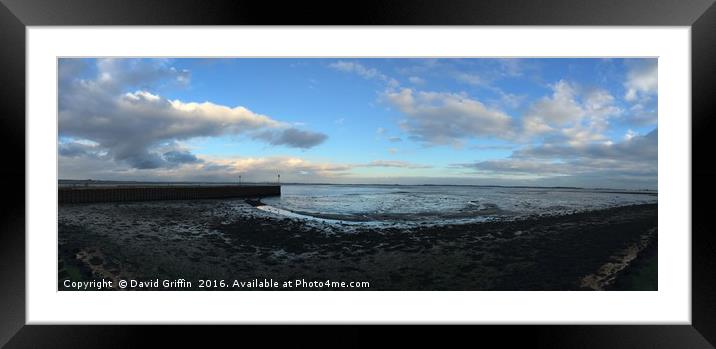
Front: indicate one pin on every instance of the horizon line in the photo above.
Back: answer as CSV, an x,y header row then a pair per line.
x,y
375,184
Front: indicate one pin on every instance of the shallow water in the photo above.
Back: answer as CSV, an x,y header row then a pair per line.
x,y
444,204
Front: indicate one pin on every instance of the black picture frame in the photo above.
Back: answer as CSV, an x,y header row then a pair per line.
x,y
700,16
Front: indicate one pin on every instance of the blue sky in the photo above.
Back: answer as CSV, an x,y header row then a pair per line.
x,y
530,121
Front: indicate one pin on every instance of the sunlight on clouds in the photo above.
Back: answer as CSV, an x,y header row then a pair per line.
x,y
129,126
509,120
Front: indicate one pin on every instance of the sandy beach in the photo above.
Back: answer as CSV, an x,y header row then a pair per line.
x,y
232,240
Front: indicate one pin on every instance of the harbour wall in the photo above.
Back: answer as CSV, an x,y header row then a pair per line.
x,y
152,193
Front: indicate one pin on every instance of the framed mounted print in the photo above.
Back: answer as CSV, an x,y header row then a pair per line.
x,y
411,163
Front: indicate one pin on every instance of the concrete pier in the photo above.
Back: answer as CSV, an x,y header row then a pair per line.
x,y
67,195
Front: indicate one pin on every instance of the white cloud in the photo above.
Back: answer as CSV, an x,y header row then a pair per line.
x,y
447,118
642,79
131,126
535,125
630,134
600,104
470,79
415,80
571,114
355,67
118,73
511,100
560,108
511,67
364,72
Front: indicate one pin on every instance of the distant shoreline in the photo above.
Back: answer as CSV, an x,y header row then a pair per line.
x,y
69,182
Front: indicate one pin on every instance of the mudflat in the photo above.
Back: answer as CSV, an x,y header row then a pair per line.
x,y
230,239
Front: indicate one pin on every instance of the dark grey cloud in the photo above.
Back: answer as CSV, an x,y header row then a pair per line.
x,y
555,168
293,137
633,162
638,149
641,115
181,157
109,106
75,149
507,166
70,69
145,160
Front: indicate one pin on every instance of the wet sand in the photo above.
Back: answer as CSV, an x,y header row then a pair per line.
x,y
233,240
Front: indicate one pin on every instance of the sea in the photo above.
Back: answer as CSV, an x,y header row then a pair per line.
x,y
441,203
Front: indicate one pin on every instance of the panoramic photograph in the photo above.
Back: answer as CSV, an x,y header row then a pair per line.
x,y
357,174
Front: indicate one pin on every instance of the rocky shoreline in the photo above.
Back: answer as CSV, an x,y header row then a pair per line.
x,y
233,240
